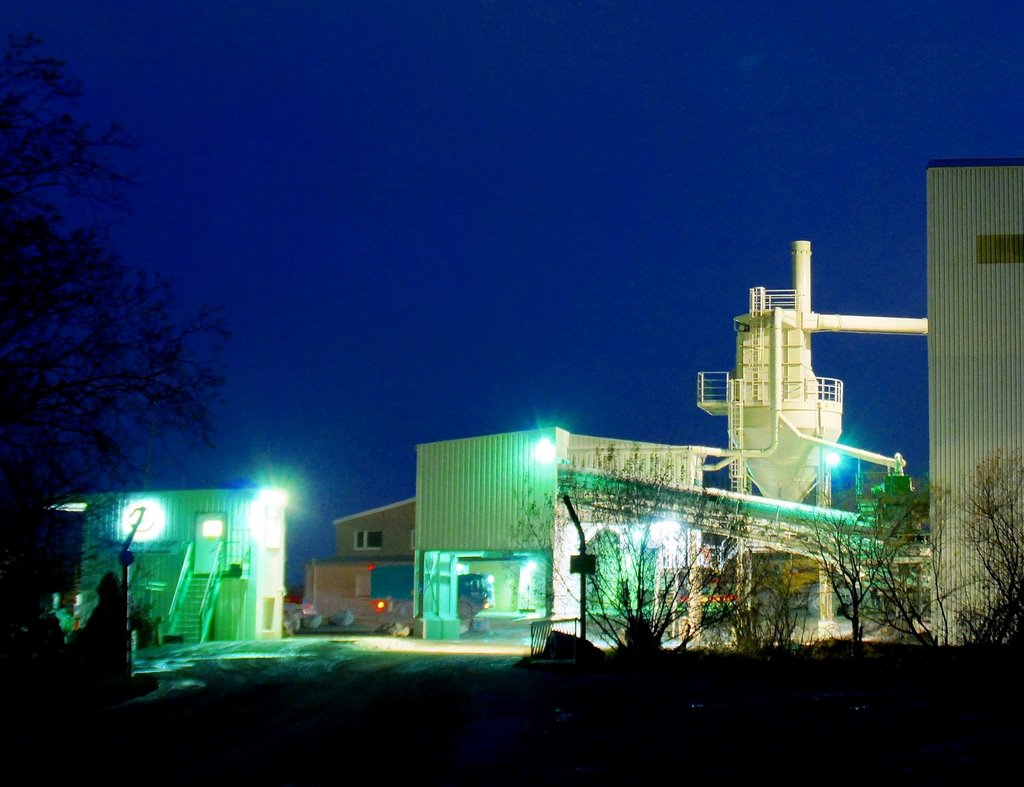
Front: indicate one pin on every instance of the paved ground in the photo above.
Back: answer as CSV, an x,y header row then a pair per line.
x,y
328,709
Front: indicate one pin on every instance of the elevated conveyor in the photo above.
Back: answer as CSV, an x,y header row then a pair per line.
x,y
776,525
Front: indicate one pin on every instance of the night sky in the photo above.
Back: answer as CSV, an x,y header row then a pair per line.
x,y
437,220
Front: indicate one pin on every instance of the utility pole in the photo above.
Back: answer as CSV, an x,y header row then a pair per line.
x,y
127,558
582,564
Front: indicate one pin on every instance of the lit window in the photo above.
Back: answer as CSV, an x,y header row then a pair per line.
x,y
369,539
213,527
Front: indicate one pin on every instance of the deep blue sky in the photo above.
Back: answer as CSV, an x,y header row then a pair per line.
x,y
435,220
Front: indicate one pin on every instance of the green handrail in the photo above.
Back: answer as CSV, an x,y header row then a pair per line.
x,y
174,610
210,595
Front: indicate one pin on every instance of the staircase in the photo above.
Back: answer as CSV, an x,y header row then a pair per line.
x,y
189,622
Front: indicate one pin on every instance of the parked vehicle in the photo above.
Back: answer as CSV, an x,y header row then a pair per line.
x,y
391,591
340,594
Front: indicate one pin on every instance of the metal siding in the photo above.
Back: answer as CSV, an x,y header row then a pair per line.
x,y
976,331
469,492
158,563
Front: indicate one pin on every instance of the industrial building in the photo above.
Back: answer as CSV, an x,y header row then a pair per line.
x,y
199,565
497,500
976,341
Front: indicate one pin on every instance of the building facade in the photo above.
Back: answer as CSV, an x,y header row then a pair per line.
x,y
199,564
975,215
380,538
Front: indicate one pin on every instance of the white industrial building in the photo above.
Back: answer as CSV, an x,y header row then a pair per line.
x,y
497,500
976,341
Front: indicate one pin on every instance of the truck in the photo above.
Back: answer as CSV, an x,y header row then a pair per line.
x,y
391,591
338,593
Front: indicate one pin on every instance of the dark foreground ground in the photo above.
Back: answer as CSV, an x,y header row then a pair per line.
x,y
335,710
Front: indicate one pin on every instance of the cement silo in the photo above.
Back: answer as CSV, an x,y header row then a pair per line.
x,y
782,417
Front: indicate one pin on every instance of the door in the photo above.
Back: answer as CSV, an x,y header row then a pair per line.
x,y
209,536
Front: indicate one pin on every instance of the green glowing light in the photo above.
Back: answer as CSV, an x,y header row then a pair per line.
x,y
273,497
544,452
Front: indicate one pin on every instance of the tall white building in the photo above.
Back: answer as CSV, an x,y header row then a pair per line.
x,y
976,334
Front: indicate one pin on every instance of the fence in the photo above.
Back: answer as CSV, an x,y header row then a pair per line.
x,y
554,639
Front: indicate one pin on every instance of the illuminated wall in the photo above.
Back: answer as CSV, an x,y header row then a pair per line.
x,y
976,324
235,536
470,493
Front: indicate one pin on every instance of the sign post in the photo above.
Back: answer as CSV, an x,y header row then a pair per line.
x,y
582,564
127,558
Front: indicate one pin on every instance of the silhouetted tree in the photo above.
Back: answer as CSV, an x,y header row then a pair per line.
x,y
773,617
847,552
95,359
993,541
663,574
905,557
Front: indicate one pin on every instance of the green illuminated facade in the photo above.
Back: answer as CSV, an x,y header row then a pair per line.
x,y
202,564
497,500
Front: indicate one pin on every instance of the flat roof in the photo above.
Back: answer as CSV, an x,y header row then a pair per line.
x,y
976,162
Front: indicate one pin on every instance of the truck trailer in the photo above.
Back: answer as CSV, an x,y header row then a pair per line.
x,y
336,590
392,586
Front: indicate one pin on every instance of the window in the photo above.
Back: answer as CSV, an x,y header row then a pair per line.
x,y
994,249
212,525
369,539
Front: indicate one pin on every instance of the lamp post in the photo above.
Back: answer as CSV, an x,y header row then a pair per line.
x,y
582,564
127,558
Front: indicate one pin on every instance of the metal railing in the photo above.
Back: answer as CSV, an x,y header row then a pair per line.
x,y
830,389
174,611
210,595
762,300
712,387
721,388
544,639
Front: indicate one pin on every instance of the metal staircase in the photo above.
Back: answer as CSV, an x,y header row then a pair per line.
x,y
190,617
189,623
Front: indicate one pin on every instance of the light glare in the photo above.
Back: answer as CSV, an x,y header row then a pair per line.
x,y
544,451
150,517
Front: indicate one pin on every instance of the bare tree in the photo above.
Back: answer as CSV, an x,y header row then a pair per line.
x,y
95,359
772,618
534,531
993,505
905,561
847,553
662,575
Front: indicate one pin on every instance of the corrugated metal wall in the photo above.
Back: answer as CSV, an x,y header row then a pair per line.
x,y
471,493
976,330
158,562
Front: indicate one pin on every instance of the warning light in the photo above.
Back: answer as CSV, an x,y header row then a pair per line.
x,y
371,567
379,605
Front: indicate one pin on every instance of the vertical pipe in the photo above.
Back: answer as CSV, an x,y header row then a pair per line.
x,y
801,253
